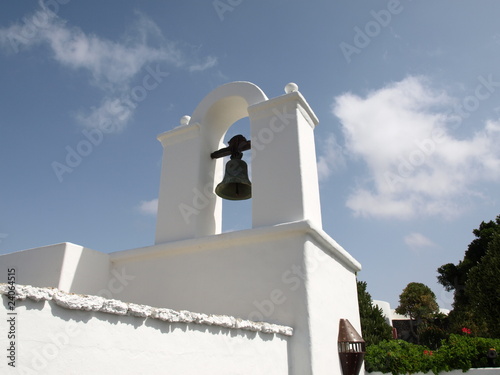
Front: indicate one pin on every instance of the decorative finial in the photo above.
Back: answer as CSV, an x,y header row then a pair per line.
x,y
291,87
185,120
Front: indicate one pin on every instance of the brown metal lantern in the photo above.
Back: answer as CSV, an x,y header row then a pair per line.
x,y
351,348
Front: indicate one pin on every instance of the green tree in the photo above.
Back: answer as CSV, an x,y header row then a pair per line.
x,y
482,289
418,302
454,277
373,324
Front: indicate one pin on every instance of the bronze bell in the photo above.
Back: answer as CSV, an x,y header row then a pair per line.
x,y
235,185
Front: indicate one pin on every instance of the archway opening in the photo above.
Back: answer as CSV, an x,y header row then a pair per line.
x,y
237,215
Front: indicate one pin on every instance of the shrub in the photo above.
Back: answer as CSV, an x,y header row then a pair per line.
x,y
464,352
398,357
432,336
457,352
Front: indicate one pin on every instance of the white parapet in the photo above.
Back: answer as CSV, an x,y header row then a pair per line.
x,y
63,333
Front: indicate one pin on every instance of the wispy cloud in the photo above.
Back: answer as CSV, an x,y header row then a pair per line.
x,y
417,240
113,66
209,63
149,207
112,113
330,157
415,165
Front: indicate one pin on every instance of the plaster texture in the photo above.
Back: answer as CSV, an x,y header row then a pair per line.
x,y
61,333
291,274
284,128
96,303
66,266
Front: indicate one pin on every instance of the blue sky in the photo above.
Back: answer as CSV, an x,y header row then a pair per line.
x,y
407,94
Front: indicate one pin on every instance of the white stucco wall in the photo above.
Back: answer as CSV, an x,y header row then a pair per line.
x,y
65,266
332,296
291,274
284,168
386,310
58,336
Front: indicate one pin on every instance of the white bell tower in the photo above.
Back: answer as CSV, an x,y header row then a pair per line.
x,y
282,145
285,269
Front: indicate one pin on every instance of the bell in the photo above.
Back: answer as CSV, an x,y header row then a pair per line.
x,y
235,185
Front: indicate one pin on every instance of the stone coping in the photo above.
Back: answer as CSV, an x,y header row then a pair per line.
x,y
111,306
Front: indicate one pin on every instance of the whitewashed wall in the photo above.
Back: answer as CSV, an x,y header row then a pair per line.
x,y
291,274
66,266
56,340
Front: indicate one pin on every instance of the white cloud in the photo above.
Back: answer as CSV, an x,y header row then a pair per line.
x,y
417,240
209,63
112,66
415,164
331,157
149,207
111,116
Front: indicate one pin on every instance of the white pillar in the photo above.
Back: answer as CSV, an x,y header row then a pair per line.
x,y
180,199
284,171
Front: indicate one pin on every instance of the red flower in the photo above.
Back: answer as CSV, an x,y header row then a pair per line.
x,y
466,331
428,352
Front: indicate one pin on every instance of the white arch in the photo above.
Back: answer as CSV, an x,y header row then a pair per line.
x,y
223,107
215,114
187,206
